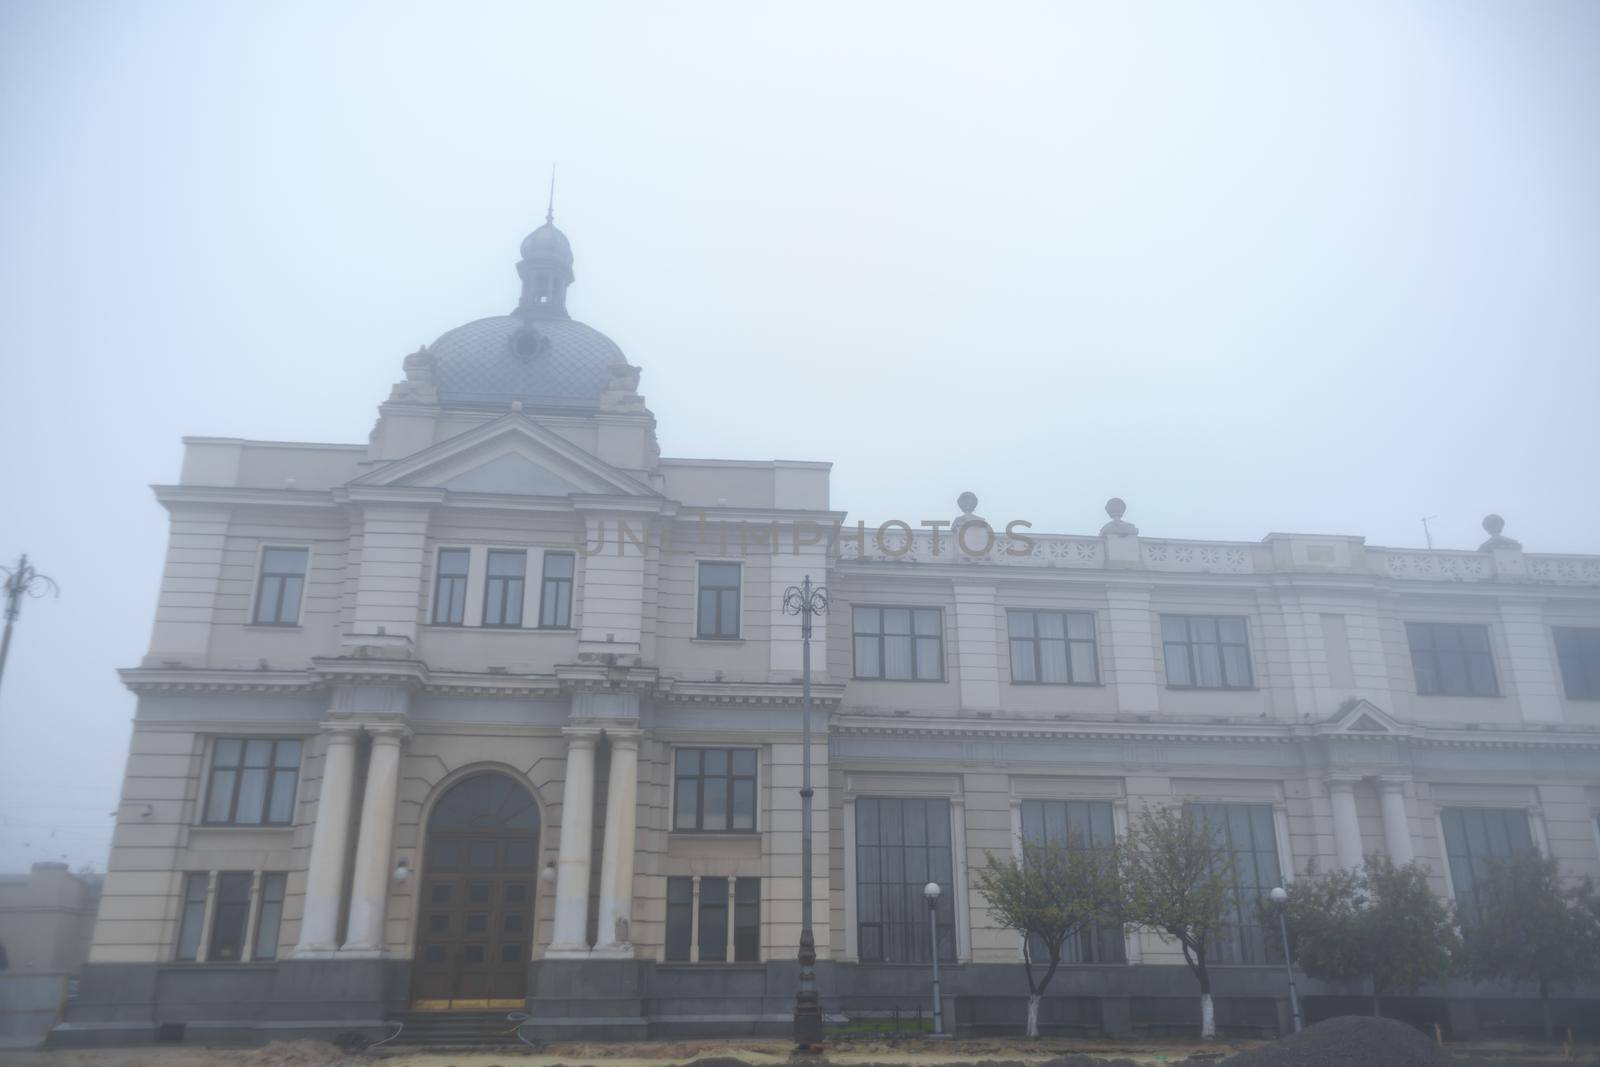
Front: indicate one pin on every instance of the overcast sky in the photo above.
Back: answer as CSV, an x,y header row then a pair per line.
x,y
1254,267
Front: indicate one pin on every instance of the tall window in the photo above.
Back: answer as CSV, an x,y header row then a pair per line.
x,y
901,845
714,789
1247,831
555,593
502,590
283,579
1473,837
450,586
1052,647
1579,654
252,781
719,601
269,914
193,918
1206,651
1451,659
899,644
229,917
711,922
1075,824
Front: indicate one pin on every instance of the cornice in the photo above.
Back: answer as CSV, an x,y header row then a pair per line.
x,y
171,680
169,496
760,694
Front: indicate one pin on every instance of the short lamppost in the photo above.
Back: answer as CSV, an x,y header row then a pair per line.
x,y
931,892
1280,897
806,600
19,580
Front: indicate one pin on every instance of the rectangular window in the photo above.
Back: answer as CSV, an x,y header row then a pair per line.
x,y
193,917
502,589
1052,647
747,920
1451,659
1206,652
283,579
715,789
450,587
269,915
229,917
899,644
1247,831
680,905
1075,824
555,593
719,601
252,781
902,844
713,920
1579,654
1473,837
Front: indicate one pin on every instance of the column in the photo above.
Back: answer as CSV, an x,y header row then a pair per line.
x,y
617,848
375,842
1346,826
572,859
319,924
1396,829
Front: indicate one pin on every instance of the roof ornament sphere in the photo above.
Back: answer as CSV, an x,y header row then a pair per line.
x,y
1493,525
967,502
1116,508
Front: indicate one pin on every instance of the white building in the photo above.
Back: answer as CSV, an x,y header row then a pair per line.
x,y
500,709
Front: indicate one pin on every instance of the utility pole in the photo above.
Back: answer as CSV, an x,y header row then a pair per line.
x,y
22,579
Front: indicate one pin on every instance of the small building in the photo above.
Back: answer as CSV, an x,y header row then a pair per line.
x,y
46,925
501,709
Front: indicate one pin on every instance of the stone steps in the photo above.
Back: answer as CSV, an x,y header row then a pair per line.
x,y
457,1029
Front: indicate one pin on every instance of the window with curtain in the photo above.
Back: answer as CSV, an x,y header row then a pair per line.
x,y
1472,838
252,781
1075,824
902,844
503,588
555,594
1452,659
282,582
450,586
1206,652
1578,652
712,924
229,917
899,643
1248,831
1052,647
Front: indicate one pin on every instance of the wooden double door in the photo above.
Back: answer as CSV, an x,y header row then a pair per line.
x,y
479,882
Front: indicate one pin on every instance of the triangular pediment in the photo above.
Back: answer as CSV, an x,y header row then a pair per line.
x,y
1360,716
511,455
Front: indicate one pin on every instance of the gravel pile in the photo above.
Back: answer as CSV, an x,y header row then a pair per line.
x,y
1349,1041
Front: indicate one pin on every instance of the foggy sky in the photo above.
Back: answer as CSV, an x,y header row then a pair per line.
x,y
1254,267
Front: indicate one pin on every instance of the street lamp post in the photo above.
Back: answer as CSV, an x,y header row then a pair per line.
x,y
806,600
931,892
22,579
1280,897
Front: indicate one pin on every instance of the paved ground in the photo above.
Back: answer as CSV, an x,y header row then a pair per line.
x,y
912,1052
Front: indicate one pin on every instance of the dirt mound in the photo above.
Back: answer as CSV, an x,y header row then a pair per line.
x,y
1349,1041
295,1054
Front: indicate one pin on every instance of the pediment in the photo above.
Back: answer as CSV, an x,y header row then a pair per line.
x,y
1360,716
511,455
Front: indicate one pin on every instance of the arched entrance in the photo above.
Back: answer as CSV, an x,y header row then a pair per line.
x,y
475,920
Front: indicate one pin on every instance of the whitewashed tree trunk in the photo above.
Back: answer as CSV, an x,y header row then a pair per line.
x,y
1208,1017
1033,1015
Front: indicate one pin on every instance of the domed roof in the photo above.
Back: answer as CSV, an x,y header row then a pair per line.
x,y
547,242
543,362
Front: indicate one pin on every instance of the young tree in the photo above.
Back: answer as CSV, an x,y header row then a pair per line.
x,y
1527,927
1053,894
1378,922
1177,879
